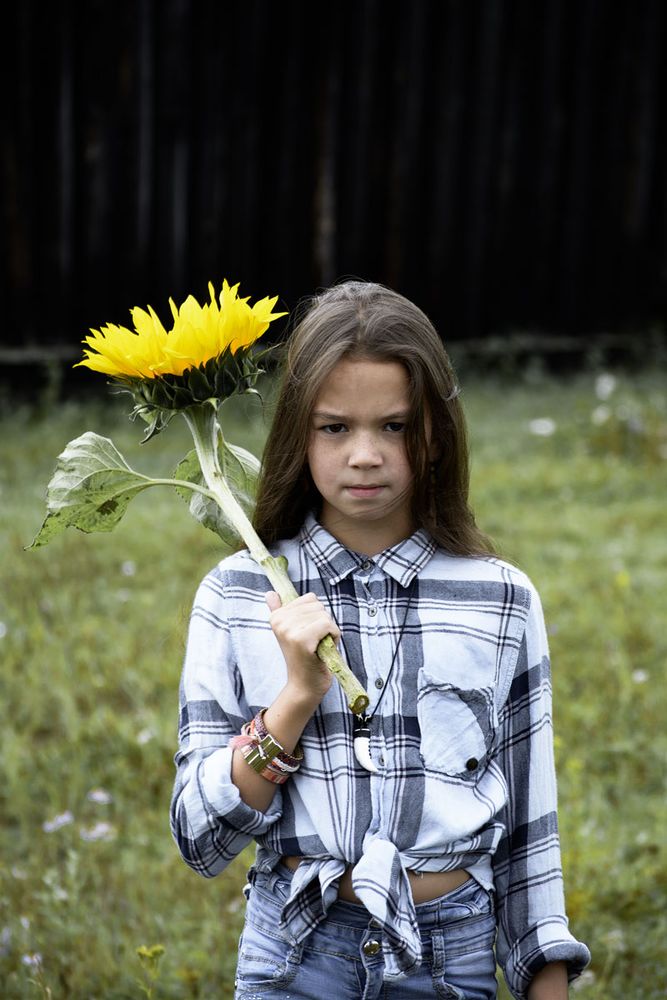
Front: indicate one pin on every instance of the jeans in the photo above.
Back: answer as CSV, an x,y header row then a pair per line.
x,y
342,957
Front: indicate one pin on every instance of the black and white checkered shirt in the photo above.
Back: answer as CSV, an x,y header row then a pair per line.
x,y
462,739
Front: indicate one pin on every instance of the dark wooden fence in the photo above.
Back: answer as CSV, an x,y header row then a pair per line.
x,y
503,162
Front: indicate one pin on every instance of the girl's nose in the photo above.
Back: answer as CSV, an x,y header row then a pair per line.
x,y
364,452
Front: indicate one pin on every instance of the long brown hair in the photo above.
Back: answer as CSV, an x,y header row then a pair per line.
x,y
365,320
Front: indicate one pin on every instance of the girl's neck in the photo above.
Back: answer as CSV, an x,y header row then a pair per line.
x,y
368,538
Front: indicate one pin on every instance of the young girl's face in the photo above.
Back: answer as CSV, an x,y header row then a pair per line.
x,y
357,454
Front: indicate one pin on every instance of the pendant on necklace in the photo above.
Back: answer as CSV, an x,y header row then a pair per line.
x,y
362,744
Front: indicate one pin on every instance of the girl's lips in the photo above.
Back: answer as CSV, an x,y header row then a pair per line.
x,y
364,491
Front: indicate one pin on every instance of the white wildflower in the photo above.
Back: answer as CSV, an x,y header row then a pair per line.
x,y
600,415
123,595
33,961
542,426
639,676
19,873
51,825
3,630
605,385
99,795
128,568
145,736
25,923
100,831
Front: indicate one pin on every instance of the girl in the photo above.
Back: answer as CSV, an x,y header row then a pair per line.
x,y
390,871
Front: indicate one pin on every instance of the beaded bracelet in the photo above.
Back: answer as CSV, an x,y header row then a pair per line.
x,y
264,753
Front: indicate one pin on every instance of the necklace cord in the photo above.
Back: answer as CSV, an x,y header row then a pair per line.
x,y
364,720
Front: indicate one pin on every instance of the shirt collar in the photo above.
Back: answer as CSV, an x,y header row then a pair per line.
x,y
402,562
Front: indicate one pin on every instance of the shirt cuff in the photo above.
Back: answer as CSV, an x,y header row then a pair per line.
x,y
224,799
545,942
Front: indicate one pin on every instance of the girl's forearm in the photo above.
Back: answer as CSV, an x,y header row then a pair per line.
x,y
550,983
285,719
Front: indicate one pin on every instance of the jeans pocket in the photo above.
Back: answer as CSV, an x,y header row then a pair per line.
x,y
463,960
267,961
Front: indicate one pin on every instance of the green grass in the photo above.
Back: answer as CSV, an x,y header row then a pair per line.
x,y
91,638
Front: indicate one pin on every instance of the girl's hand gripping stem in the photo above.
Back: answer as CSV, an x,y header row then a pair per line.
x,y
203,424
299,627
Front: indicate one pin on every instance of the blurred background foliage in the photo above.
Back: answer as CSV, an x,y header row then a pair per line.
x,y
569,477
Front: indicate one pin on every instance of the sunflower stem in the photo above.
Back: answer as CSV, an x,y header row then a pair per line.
x,y
205,429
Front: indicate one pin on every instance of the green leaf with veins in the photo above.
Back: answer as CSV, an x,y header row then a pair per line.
x,y
91,488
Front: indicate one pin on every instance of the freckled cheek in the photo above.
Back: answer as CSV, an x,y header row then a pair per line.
x,y
320,459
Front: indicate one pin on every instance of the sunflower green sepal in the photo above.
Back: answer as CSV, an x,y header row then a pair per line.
x,y
158,400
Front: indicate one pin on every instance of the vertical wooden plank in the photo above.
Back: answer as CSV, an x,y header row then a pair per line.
x,y
144,135
402,260
550,161
575,232
17,266
443,207
324,249
481,160
296,68
362,162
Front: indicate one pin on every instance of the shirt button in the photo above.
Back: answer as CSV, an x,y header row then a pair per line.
x,y
379,683
372,611
366,564
471,764
371,947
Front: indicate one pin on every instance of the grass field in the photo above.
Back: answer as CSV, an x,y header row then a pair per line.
x,y
569,477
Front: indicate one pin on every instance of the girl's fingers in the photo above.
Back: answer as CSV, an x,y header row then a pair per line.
x,y
273,600
303,621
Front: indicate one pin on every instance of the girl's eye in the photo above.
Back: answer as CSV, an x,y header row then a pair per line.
x,y
333,428
395,426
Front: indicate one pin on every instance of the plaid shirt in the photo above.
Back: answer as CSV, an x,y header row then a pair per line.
x,y
462,739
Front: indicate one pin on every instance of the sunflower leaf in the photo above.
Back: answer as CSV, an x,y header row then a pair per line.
x,y
241,471
90,488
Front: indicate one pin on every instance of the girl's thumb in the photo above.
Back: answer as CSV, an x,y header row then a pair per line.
x,y
273,600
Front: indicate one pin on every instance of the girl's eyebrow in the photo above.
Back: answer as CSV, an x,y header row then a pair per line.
x,y
341,417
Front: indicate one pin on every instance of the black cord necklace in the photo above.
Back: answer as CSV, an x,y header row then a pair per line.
x,y
362,723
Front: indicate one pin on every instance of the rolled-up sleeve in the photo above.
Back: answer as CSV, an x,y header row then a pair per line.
x,y
209,821
532,923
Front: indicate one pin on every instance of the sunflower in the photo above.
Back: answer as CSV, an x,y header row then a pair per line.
x,y
205,355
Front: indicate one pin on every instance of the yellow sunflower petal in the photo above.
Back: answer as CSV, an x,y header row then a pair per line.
x,y
198,334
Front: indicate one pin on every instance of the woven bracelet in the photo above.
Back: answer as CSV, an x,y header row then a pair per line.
x,y
263,753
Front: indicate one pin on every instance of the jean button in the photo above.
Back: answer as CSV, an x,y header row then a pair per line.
x,y
371,947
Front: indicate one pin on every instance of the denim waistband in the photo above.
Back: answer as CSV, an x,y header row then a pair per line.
x,y
453,905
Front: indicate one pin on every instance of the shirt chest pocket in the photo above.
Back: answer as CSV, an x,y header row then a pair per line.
x,y
457,726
